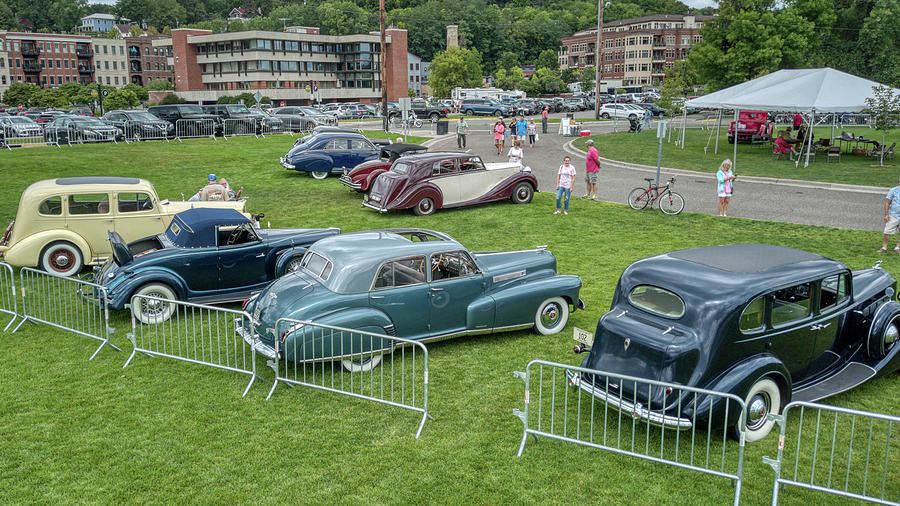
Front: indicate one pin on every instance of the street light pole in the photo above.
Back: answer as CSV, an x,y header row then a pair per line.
x,y
383,53
598,52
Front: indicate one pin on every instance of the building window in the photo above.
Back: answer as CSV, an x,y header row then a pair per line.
x,y
670,39
146,50
685,40
73,63
58,64
50,64
116,80
52,80
107,81
56,46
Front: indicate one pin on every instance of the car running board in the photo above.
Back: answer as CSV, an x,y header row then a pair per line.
x,y
851,375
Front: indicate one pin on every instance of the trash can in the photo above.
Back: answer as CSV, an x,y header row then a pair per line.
x,y
441,127
570,115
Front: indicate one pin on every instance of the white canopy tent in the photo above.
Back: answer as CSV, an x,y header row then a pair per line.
x,y
808,91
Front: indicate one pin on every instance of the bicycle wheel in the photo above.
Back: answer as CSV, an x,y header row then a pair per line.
x,y
639,198
671,203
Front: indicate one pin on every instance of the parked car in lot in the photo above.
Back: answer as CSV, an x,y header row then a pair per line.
x,y
61,224
328,152
748,125
195,121
47,117
138,124
485,107
19,126
81,111
360,178
415,284
242,122
302,119
766,323
432,113
574,104
621,111
431,181
206,256
654,109
266,123
69,129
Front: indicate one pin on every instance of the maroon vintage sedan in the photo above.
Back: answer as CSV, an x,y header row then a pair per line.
x,y
360,178
432,181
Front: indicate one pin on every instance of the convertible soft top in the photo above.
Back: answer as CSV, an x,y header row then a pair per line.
x,y
196,228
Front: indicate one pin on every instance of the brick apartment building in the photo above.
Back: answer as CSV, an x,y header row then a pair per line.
x,y
48,60
109,61
147,62
636,51
282,65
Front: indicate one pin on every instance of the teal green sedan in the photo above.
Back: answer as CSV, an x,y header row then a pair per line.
x,y
410,283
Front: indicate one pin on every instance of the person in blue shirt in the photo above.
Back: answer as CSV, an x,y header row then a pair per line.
x,y
521,128
891,218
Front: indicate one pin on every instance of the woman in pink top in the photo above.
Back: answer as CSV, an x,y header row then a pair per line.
x,y
565,178
499,129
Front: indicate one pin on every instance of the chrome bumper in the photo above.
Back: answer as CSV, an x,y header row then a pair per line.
x,y
255,343
635,410
580,305
286,165
373,206
348,182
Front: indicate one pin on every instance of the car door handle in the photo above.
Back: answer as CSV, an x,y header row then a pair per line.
x,y
260,255
379,297
819,326
437,289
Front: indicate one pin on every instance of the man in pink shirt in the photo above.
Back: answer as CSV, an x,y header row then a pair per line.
x,y
591,170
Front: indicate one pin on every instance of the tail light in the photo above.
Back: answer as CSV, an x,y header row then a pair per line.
x,y
248,301
8,233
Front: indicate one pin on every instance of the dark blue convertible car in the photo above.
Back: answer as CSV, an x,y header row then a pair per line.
x,y
206,255
330,152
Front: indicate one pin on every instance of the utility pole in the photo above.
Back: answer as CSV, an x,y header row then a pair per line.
x,y
383,53
597,59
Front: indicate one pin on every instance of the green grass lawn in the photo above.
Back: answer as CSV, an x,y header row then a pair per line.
x,y
163,431
752,160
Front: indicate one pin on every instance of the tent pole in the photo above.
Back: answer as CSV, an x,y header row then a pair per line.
x,y
734,156
833,117
683,125
809,135
718,130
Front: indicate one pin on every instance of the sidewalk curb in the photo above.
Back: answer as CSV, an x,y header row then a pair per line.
x,y
795,183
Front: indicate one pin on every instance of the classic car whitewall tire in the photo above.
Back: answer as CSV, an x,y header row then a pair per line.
x,y
293,264
361,365
551,316
151,312
884,331
764,397
318,175
424,207
62,258
522,193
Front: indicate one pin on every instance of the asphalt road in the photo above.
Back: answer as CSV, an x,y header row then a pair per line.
x,y
756,198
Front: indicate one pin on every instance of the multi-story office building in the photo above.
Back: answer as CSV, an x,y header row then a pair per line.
x,y
147,62
282,64
5,80
636,51
48,60
110,61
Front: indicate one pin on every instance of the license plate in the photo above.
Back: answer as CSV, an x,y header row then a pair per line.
x,y
583,336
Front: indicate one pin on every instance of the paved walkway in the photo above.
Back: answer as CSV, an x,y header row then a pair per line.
x,y
791,201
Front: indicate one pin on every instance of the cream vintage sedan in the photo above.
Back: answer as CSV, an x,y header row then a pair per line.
x,y
61,224
432,181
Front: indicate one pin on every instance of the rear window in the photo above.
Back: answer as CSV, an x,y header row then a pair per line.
x,y
317,265
657,301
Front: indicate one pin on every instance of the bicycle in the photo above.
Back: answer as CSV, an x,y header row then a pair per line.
x,y
396,121
669,202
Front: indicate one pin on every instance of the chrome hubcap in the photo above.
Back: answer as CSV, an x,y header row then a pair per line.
x,y
293,266
550,315
757,410
523,193
891,334
154,307
425,205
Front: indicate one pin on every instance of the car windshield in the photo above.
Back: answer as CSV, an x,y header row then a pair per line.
x,y
87,121
400,168
311,111
143,116
237,108
19,119
657,300
190,109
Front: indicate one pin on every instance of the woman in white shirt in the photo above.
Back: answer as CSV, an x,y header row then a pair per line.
x,y
516,154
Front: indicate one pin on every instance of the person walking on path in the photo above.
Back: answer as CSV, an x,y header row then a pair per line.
x,y
591,170
891,218
532,133
646,124
499,130
510,130
521,129
565,179
516,154
544,115
462,129
725,177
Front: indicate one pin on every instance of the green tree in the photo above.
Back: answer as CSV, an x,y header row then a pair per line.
x,y
171,99
547,81
139,91
884,107
49,98
114,33
678,83
120,99
509,79
507,60
587,78
411,93
7,17
547,59
236,26
159,85
135,31
77,93
879,45
455,67
20,93
343,17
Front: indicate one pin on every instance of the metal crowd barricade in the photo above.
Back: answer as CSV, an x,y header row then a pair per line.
x,y
848,455
193,128
234,127
267,129
192,333
376,367
65,303
78,136
140,131
8,304
12,139
611,416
